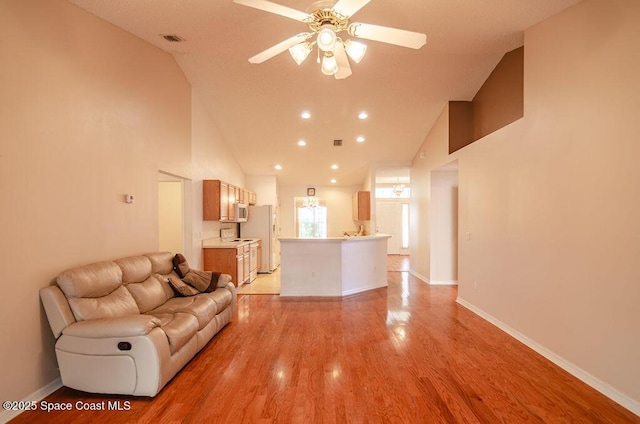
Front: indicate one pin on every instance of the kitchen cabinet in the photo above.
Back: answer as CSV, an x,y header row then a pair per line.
x,y
232,199
259,253
246,264
361,206
253,260
219,198
215,200
232,260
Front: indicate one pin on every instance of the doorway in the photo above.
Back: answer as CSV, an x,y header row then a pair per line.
x,y
171,213
393,218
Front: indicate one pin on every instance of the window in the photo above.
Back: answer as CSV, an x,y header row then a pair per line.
x,y
311,221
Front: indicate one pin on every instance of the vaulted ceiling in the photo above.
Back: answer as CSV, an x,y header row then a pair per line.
x,y
257,107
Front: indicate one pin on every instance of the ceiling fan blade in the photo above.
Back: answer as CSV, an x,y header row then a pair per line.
x,y
344,68
399,37
278,9
279,48
349,7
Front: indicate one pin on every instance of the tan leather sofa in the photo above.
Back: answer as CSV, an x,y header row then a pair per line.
x,y
120,328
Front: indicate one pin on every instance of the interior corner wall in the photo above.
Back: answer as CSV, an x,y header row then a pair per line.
x,y
211,160
551,201
88,113
433,153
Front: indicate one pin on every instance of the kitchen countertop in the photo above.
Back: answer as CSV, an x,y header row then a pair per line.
x,y
335,239
217,243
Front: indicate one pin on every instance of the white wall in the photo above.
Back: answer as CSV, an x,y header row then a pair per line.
x,y
265,187
444,227
87,114
211,160
551,201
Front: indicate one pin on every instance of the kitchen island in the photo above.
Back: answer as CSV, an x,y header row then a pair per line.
x,y
332,266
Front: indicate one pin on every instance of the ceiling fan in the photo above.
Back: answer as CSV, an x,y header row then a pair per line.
x,y
326,20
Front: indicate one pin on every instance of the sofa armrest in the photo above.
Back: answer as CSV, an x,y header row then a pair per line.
x,y
129,326
57,309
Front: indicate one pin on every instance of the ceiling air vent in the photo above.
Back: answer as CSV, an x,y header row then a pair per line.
x,y
337,143
172,38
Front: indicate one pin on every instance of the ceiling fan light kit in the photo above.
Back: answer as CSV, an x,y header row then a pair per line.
x,y
327,38
299,52
329,64
325,22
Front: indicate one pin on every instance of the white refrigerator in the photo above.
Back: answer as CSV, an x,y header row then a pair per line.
x,y
263,224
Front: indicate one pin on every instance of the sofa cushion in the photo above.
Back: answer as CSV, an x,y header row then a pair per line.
x,y
200,306
94,280
147,291
179,328
116,304
161,262
222,297
135,269
151,293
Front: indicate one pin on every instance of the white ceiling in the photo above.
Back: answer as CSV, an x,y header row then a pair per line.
x,y
257,107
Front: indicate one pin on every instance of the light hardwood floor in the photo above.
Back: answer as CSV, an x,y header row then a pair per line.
x,y
263,284
402,354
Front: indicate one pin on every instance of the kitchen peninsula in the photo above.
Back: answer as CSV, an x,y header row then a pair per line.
x,y
332,266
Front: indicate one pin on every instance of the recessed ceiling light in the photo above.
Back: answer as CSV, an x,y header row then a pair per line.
x,y
302,143
305,115
360,139
333,181
278,167
363,115
334,166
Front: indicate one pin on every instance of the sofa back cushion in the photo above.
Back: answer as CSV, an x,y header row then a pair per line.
x,y
116,304
161,262
95,291
147,291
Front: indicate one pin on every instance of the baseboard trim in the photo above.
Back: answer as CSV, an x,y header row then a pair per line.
x,y
443,282
572,369
37,396
363,289
419,276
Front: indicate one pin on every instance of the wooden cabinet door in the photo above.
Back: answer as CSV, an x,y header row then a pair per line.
x,y
224,201
246,266
259,259
211,197
240,277
361,207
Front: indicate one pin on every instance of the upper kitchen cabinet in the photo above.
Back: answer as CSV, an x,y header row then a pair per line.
x,y
361,206
219,199
215,200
